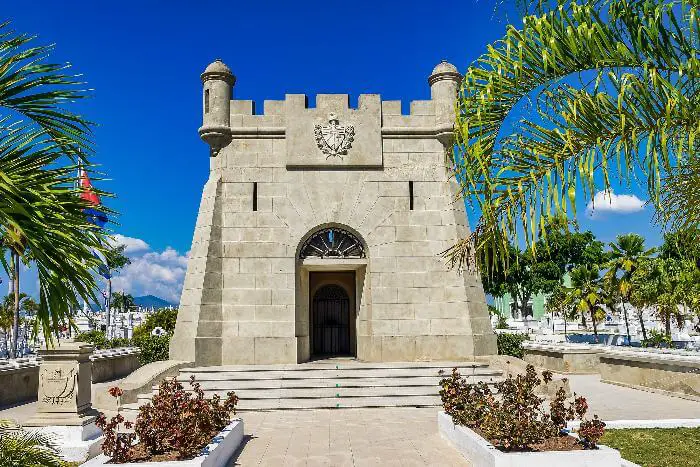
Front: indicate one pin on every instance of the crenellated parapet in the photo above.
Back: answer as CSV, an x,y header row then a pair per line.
x,y
333,132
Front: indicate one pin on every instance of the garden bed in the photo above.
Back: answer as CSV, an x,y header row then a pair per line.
x,y
217,454
479,451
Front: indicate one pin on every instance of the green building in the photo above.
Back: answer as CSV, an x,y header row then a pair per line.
x,y
535,307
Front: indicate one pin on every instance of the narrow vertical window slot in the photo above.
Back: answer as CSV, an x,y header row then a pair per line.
x,y
206,101
410,196
255,196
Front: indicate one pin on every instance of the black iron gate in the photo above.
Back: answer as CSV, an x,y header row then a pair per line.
x,y
331,321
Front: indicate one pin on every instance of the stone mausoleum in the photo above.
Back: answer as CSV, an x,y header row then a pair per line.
x,y
320,231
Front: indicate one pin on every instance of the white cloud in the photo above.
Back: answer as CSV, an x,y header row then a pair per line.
x,y
610,202
132,244
151,272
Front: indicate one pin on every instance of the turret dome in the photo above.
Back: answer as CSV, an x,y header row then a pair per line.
x,y
217,66
444,67
444,70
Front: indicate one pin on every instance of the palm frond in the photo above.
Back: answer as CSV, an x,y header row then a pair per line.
x,y
40,90
639,112
41,208
20,448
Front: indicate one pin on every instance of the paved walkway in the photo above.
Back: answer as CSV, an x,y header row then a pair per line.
x,y
399,436
612,402
345,437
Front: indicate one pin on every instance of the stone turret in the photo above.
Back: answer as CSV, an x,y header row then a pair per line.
x,y
444,84
217,82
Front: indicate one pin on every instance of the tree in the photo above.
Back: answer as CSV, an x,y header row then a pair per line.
x,y
615,87
123,301
16,244
683,244
625,256
585,294
10,317
557,304
42,216
115,260
542,270
523,278
164,318
666,284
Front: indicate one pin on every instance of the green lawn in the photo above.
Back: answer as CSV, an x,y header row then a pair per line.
x,y
674,447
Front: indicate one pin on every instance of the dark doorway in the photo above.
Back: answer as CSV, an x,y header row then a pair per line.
x,y
331,321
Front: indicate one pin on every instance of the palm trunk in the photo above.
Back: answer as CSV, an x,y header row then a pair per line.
x,y
595,328
627,324
109,305
641,323
668,324
15,318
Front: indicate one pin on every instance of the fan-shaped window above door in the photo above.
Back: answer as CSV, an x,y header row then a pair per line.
x,y
332,243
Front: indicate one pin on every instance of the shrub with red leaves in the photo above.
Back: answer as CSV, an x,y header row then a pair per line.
x,y
178,420
175,420
513,417
117,445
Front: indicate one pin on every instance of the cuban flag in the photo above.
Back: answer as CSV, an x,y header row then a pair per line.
x,y
88,194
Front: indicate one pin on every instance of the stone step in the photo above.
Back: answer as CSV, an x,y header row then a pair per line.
x,y
325,374
349,364
338,403
311,383
129,411
250,394
327,384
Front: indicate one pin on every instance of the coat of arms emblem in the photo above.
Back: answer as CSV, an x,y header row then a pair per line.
x,y
332,139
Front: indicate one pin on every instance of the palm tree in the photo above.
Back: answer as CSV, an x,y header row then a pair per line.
x,y
115,260
558,305
585,294
625,257
10,310
42,216
123,301
666,283
614,85
16,244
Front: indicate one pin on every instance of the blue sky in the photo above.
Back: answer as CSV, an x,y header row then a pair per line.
x,y
143,60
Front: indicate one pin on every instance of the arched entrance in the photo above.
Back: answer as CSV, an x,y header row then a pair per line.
x,y
330,282
331,321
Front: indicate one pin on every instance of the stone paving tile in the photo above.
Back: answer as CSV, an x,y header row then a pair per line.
x,y
612,402
349,437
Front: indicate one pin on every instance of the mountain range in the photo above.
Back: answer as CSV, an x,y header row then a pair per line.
x,y
148,301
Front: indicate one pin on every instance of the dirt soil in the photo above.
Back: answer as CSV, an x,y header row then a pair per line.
x,y
555,443
139,453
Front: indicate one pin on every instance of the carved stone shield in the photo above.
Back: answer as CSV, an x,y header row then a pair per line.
x,y
333,139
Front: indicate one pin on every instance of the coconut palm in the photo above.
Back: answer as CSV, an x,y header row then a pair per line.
x,y
115,259
10,317
585,294
613,88
42,217
666,284
625,257
123,301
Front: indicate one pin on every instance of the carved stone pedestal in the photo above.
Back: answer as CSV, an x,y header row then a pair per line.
x,y
64,410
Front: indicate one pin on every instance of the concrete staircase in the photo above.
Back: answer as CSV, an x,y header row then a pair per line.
x,y
328,384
